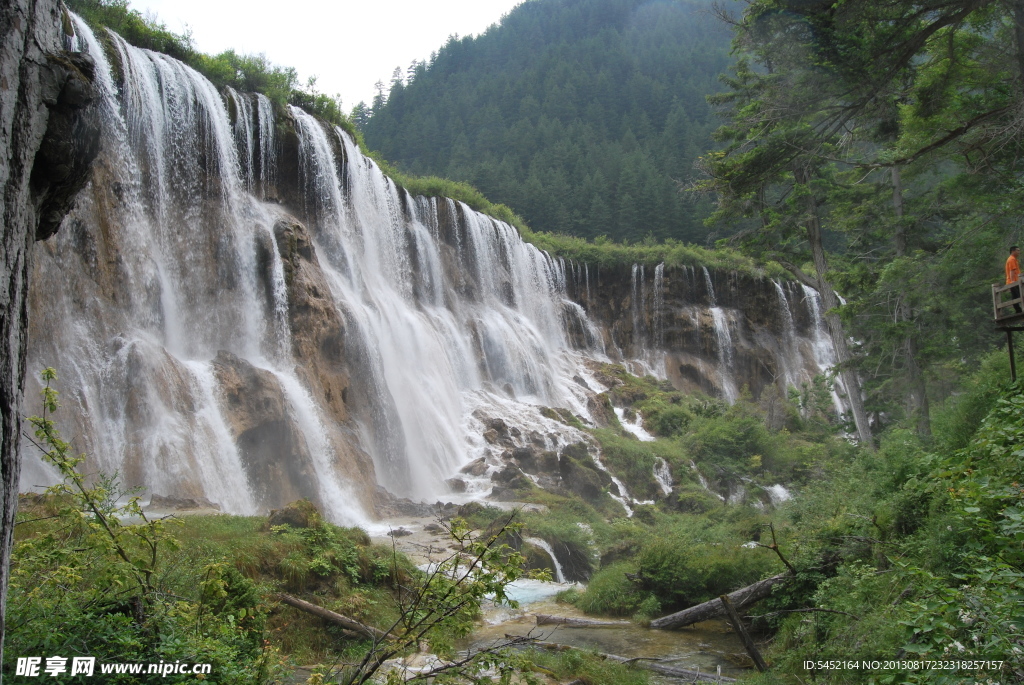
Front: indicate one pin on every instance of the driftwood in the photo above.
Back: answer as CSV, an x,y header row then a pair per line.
x,y
741,599
548,620
644,663
328,615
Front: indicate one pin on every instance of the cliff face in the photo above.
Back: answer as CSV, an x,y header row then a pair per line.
x,y
250,312
707,330
48,136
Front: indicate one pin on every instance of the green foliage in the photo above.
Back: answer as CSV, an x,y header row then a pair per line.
x,y
86,582
581,666
912,551
610,592
582,117
441,605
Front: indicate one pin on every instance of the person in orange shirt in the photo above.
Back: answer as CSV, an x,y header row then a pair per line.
x,y
1013,274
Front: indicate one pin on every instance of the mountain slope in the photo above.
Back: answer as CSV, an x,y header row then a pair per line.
x,y
581,115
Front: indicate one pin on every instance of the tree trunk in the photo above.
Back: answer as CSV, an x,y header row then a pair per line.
x,y
1018,26
683,674
573,622
333,617
706,611
830,301
44,94
917,391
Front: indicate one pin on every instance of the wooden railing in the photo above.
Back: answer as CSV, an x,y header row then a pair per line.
x,y
1005,309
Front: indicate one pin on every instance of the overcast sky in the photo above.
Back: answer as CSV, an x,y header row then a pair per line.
x,y
347,44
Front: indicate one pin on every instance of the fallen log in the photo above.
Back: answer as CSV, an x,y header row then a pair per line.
x,y
741,599
748,642
548,620
642,662
670,671
328,615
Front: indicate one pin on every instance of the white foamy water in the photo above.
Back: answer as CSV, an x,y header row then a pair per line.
x,y
543,544
634,426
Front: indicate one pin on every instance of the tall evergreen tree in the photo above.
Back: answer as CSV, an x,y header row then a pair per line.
x,y
562,89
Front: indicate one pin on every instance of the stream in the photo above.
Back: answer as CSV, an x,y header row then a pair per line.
x,y
706,647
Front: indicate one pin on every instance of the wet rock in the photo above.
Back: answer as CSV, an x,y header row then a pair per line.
x,y
537,439
61,167
436,528
491,436
577,450
469,508
526,459
498,425
579,479
399,533
600,408
477,467
537,559
389,506
576,560
506,475
503,494
456,484
274,452
549,462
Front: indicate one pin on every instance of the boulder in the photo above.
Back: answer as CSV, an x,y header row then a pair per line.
x,y
456,484
477,467
579,479
299,514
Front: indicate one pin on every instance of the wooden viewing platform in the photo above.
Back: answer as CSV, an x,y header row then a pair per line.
x,y
1006,316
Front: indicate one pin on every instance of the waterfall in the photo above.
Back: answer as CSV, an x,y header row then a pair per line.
x,y
175,326
663,476
635,427
789,345
704,481
725,353
543,544
824,353
637,309
709,287
659,305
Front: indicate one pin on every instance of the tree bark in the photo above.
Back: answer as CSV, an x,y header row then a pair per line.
x,y
748,642
44,94
647,665
706,611
548,620
328,615
917,391
830,301
1018,30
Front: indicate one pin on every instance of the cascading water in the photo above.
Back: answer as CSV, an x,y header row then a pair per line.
x,y
635,426
659,305
824,353
251,312
544,545
709,287
663,476
789,342
176,326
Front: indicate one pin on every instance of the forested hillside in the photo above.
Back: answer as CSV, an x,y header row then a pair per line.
x,y
583,117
